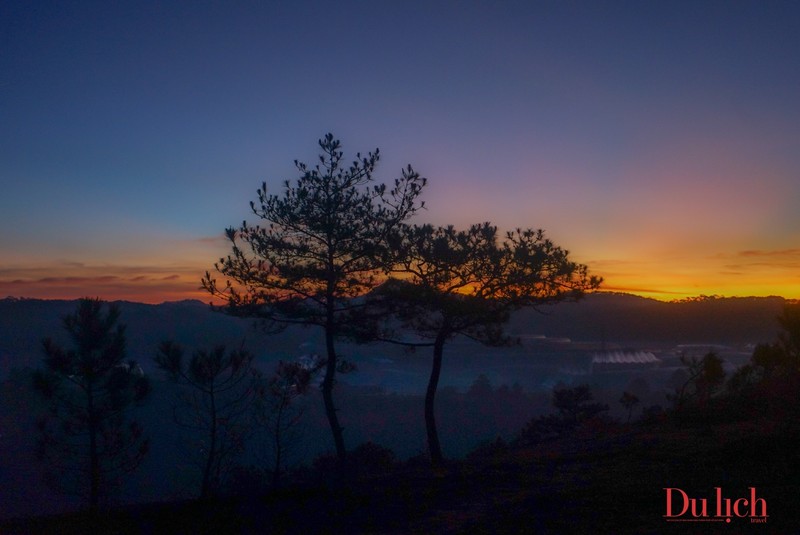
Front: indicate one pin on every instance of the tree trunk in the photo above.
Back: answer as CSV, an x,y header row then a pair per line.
x,y
94,455
330,368
276,472
327,391
205,489
434,448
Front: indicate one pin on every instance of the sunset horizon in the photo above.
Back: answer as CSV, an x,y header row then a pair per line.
x,y
160,284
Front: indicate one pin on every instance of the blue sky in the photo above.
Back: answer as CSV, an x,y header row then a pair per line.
x,y
658,141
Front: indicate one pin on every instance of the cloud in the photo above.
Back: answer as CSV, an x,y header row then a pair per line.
x,y
770,254
780,259
70,280
64,280
218,239
638,290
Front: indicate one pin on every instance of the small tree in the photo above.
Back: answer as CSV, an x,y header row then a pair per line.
x,y
705,377
465,283
778,361
324,243
574,406
86,437
789,338
215,400
629,400
771,359
277,411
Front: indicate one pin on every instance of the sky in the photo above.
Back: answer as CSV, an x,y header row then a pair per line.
x,y
659,142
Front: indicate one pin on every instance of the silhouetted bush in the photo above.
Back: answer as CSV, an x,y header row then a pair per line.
x,y
367,459
653,414
247,481
489,451
575,407
370,458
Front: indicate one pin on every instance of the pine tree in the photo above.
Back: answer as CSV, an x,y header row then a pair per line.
x,y
324,243
467,283
86,439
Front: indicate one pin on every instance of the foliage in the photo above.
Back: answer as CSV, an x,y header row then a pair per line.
x,y
771,359
215,400
629,400
324,243
86,438
705,378
575,407
771,377
783,356
465,282
364,460
789,338
489,451
371,458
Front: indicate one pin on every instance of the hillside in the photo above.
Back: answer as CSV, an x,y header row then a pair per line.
x,y
25,322
628,319
613,318
609,481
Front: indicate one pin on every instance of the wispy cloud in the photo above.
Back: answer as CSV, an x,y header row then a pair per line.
x,y
169,270
219,239
777,259
770,254
148,283
639,290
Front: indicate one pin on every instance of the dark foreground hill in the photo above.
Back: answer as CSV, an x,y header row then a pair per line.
x,y
604,480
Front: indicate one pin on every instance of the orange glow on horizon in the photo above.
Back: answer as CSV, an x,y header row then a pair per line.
x,y
664,288
153,290
119,284
665,277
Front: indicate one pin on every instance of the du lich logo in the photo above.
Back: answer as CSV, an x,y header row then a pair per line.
x,y
683,508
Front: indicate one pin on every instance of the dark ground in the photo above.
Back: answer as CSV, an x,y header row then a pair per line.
x,y
603,480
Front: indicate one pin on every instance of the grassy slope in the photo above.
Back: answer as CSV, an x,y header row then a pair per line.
x,y
607,480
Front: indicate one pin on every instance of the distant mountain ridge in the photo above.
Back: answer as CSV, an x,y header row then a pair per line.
x,y
25,322
628,319
618,319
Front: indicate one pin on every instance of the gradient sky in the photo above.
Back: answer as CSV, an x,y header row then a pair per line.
x,y
658,141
